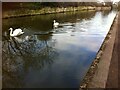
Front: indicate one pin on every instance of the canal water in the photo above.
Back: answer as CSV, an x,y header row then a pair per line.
x,y
48,57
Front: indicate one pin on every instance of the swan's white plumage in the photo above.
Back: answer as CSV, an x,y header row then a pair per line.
x,y
16,32
55,24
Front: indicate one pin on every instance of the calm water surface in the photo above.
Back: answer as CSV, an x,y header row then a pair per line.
x,y
47,57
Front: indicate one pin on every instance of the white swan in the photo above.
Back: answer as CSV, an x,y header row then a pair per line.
x,y
16,32
55,24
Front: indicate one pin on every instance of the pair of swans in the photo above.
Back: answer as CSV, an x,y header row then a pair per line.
x,y
16,32
19,31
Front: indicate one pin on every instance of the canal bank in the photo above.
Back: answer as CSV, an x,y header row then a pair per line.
x,y
49,10
103,72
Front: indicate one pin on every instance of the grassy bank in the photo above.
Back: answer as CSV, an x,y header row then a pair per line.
x,y
48,10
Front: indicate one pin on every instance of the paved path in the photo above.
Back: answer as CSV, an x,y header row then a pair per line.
x,y
113,80
106,75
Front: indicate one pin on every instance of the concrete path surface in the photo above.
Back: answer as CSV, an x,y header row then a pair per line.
x,y
112,81
106,75
114,71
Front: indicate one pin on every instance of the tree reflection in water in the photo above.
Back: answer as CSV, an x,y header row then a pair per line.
x,y
22,53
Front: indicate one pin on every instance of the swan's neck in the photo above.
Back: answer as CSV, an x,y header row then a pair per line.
x,y
54,21
11,32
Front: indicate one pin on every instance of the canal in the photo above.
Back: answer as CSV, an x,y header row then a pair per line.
x,y
47,57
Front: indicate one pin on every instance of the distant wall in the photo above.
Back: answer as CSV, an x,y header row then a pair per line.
x,y
46,10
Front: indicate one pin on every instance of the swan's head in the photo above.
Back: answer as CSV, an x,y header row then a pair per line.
x,y
10,29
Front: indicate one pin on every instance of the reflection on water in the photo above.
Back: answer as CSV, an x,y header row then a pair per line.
x,y
21,54
44,56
